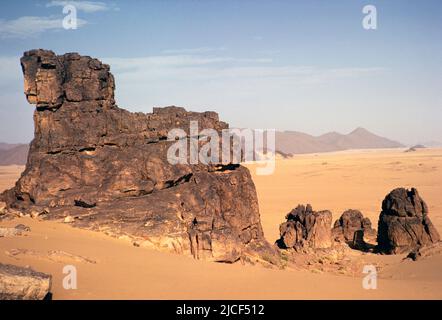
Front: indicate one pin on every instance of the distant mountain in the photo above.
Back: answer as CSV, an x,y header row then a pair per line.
x,y
360,138
7,146
287,143
13,154
432,143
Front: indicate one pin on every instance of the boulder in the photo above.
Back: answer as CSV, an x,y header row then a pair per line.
x,y
18,283
404,224
349,223
100,167
306,228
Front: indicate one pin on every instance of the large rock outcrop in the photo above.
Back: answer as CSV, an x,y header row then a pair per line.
x,y
18,283
306,229
404,224
107,168
350,224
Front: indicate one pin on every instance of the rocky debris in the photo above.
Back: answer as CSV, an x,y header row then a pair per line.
x,y
425,252
108,167
355,229
17,283
22,227
306,228
37,212
68,219
404,224
11,232
338,260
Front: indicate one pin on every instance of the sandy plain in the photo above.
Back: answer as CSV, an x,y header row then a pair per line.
x,y
109,268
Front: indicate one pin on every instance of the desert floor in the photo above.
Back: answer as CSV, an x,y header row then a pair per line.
x,y
334,181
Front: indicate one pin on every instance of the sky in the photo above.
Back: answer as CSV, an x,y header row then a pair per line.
x,y
306,66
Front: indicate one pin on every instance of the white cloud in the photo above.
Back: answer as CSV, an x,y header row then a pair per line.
x,y
85,6
195,67
30,26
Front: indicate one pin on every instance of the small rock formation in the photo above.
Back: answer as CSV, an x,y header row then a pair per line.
x,y
352,228
306,228
17,283
107,168
404,224
425,252
18,230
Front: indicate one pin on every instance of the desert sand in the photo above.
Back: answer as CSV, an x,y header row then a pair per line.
x,y
114,268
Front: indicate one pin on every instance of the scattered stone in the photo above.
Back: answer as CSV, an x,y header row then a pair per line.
x,y
404,224
35,213
69,219
11,232
108,167
22,227
350,222
18,283
306,228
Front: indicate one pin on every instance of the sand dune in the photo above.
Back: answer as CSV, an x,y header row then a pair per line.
x,y
335,181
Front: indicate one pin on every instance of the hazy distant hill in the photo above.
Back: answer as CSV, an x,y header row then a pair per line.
x,y
287,142
7,146
13,154
297,142
432,143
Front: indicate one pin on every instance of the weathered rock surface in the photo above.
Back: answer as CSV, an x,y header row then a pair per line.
x,y
17,283
107,168
306,228
353,228
404,224
426,251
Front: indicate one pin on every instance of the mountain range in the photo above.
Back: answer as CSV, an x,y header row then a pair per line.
x,y
293,142
287,142
13,154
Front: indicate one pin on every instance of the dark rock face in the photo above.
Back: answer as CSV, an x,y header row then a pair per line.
x,y
350,223
306,228
17,283
107,168
404,224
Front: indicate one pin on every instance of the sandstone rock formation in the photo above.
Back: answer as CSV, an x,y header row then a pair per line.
x,y
306,228
107,168
350,222
404,224
17,283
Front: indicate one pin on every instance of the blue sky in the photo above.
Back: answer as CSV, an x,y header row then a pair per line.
x,y
307,66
